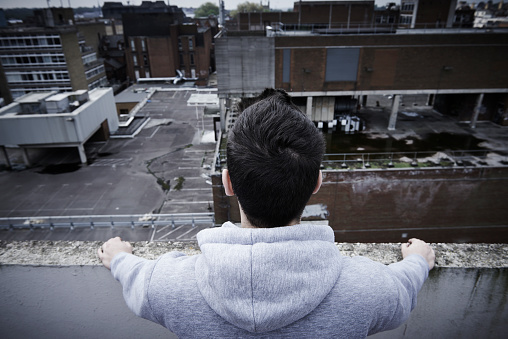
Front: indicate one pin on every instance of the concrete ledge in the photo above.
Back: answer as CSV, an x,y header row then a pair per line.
x,y
67,253
57,289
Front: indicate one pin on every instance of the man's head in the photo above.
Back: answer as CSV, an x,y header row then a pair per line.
x,y
274,153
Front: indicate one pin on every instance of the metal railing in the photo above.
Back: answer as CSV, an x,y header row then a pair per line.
x,y
107,221
367,160
428,159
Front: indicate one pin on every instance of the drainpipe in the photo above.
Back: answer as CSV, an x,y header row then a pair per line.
x,y
349,16
330,18
299,14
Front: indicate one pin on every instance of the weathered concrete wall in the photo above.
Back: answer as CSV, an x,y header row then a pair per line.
x,y
67,302
245,64
466,296
438,205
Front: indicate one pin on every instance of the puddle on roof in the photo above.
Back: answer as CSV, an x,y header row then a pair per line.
x,y
359,143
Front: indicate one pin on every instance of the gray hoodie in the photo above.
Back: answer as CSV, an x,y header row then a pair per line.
x,y
282,282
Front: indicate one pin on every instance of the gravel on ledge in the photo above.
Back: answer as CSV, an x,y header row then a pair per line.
x,y
67,253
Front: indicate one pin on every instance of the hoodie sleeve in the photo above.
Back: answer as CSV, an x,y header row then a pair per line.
x,y
408,276
134,274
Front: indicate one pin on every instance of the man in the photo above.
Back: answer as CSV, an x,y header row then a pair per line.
x,y
272,277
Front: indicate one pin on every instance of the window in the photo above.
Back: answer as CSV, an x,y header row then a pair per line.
x,y
135,60
136,73
181,58
28,41
408,7
97,83
342,64
133,45
286,65
94,71
88,59
37,76
191,55
145,60
143,46
147,73
180,44
406,19
191,44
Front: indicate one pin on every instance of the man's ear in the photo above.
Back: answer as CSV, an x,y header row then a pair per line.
x,y
319,182
226,182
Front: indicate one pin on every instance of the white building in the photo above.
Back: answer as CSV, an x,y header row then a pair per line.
x,y
48,119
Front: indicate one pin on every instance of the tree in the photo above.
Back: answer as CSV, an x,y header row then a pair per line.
x,y
246,7
206,9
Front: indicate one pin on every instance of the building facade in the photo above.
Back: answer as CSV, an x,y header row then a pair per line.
x,y
322,71
56,56
427,13
160,49
314,15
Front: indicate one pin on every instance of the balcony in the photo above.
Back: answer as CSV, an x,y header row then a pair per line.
x,y
59,289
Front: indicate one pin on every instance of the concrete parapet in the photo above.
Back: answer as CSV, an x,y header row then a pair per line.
x,y
67,253
58,289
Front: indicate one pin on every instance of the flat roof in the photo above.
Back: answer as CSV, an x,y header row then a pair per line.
x,y
34,97
58,97
132,94
198,99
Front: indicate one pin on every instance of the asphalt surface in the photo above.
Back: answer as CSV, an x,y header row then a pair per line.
x,y
160,170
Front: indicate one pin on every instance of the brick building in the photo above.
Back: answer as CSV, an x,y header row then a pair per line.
x,y
55,55
320,71
165,45
345,15
427,13
112,50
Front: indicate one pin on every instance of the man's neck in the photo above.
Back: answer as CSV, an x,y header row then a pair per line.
x,y
246,224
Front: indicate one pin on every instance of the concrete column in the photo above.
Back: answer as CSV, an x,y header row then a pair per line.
x,y
430,99
309,108
476,110
24,152
222,108
6,156
395,110
82,154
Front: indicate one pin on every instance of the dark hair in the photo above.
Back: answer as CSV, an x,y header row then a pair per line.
x,y
274,153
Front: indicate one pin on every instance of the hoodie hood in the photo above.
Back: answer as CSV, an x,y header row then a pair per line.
x,y
264,279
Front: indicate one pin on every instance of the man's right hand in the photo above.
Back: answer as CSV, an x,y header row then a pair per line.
x,y
417,246
111,248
